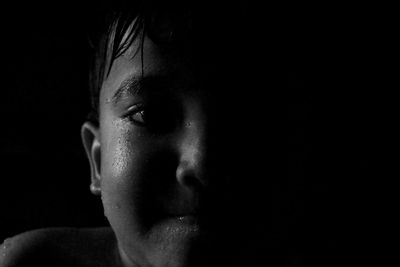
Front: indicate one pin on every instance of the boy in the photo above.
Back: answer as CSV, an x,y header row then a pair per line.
x,y
167,141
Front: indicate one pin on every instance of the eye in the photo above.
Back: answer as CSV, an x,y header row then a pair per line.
x,y
136,115
159,117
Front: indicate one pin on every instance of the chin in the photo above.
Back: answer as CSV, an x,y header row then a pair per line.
x,y
171,254
174,241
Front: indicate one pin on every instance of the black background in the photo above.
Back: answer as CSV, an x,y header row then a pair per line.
x,y
45,175
335,103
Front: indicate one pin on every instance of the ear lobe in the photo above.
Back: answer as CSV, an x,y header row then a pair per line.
x,y
91,142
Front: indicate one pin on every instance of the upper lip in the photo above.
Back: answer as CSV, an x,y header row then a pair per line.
x,y
183,208
182,211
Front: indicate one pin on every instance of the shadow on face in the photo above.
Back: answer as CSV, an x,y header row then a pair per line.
x,y
178,155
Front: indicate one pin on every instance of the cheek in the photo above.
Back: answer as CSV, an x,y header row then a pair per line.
x,y
121,158
135,173
120,155
122,168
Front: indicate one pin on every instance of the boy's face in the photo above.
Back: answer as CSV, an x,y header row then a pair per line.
x,y
153,160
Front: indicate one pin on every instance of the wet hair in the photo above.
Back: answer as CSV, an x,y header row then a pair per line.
x,y
105,39
118,26
172,25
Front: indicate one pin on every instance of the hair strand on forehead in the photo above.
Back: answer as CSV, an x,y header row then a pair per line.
x,y
123,33
121,28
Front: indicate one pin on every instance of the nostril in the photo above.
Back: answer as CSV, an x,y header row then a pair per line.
x,y
188,176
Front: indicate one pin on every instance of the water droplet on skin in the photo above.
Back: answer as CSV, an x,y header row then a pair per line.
x,y
7,242
5,246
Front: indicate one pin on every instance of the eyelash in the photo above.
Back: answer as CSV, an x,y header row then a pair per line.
x,y
158,118
135,109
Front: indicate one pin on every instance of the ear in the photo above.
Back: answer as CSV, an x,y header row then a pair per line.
x,y
91,142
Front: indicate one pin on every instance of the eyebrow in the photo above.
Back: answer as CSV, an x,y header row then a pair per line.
x,y
135,85
131,85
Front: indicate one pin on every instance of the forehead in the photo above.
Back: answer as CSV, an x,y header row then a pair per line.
x,y
147,59
209,64
135,62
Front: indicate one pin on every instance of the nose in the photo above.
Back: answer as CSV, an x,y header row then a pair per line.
x,y
191,170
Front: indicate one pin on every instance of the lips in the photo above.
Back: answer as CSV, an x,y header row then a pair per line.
x,y
181,216
181,211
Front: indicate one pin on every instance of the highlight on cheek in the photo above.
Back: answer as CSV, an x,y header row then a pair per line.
x,y
119,162
122,150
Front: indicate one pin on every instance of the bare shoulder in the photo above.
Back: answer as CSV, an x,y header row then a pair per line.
x,y
60,247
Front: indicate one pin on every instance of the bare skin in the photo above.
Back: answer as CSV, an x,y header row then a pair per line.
x,y
61,247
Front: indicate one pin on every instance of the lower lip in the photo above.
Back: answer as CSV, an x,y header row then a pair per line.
x,y
187,219
184,224
176,230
